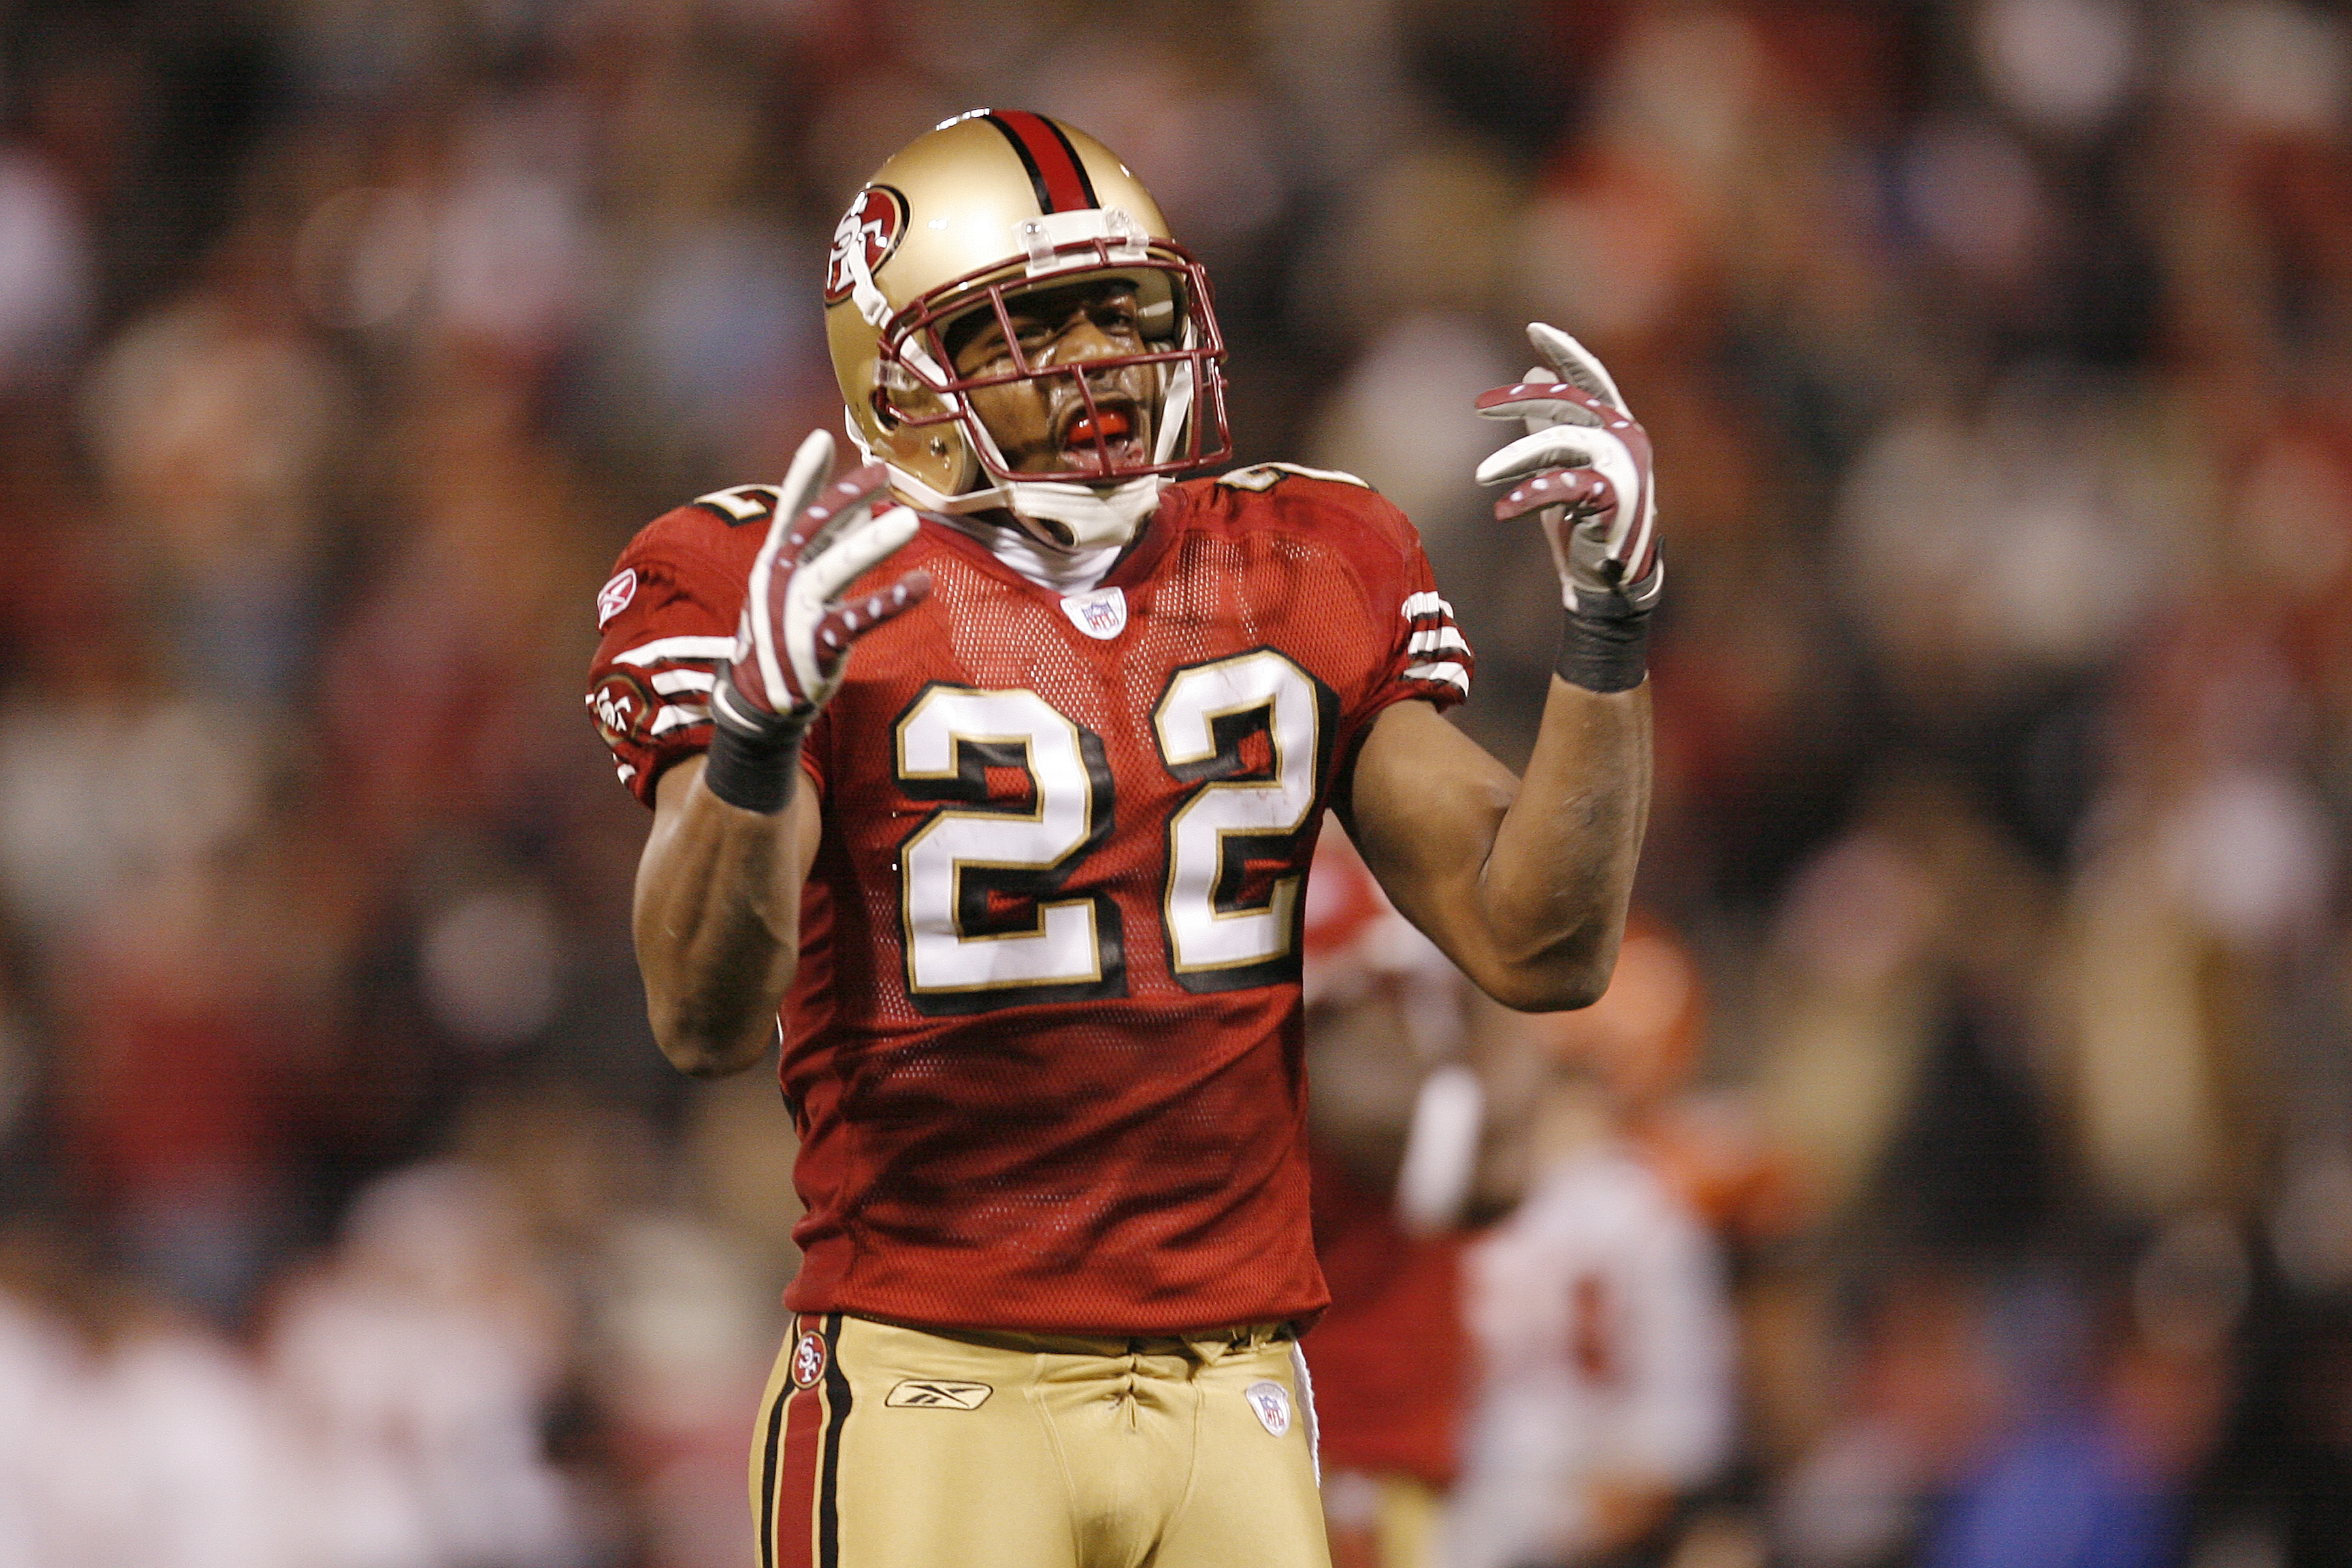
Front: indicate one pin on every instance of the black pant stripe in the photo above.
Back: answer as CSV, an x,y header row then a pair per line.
x,y
836,1399
769,1460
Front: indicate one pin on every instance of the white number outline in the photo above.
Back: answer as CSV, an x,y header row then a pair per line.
x,y
1216,775
964,802
1218,770
740,504
1259,477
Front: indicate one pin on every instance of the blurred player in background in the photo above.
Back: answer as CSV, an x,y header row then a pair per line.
x,y
1569,1364
1393,1127
1602,1334
1024,876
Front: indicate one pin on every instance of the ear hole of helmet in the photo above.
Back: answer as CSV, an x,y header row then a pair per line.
x,y
900,393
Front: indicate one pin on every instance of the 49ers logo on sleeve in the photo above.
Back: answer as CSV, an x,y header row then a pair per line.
x,y
808,1359
873,226
624,708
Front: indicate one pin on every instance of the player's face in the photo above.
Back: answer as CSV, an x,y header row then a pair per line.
x,y
1041,424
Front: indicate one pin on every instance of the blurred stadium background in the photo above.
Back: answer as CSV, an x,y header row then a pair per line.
x,y
2000,357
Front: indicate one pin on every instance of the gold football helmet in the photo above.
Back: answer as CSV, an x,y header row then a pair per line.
x,y
969,215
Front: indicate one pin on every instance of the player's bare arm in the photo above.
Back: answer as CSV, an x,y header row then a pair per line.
x,y
717,903
717,920
1524,882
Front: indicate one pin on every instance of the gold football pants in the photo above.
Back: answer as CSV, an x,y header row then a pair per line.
x,y
883,1446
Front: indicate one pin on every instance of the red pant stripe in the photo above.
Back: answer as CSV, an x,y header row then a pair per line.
x,y
796,1439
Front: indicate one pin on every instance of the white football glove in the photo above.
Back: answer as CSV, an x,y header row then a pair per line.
x,y
795,633
1583,469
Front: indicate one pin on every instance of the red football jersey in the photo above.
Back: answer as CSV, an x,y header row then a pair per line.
x,y
1043,1049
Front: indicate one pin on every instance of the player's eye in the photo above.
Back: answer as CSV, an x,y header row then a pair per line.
x,y
977,339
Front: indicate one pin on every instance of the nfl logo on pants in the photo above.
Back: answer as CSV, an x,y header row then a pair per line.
x,y
1272,1402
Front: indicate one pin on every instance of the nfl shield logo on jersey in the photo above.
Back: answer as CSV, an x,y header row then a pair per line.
x,y
1272,1402
1101,615
808,1360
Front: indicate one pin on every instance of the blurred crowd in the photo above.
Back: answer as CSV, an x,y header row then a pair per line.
x,y
1999,355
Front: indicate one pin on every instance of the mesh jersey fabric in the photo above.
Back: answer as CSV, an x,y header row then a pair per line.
x,y
1116,1144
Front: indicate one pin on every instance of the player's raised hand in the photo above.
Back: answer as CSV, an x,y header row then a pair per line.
x,y
796,629
1582,469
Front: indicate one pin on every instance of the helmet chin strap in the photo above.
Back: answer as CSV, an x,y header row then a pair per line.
x,y
1065,515
1064,518
1073,518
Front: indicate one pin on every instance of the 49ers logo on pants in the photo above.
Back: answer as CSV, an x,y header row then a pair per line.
x,y
808,1360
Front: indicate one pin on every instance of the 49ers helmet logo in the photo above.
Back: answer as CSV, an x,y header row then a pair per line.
x,y
808,1360
873,226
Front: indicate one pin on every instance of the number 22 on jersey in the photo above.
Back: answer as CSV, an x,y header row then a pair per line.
x,y
987,921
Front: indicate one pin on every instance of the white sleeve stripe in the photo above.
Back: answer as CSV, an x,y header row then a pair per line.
x,y
670,683
661,648
677,716
1426,602
1449,672
1421,642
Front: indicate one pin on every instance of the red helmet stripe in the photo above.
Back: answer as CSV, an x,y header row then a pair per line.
x,y
1054,172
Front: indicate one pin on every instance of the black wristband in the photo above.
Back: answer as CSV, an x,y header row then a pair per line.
x,y
751,762
753,772
1603,653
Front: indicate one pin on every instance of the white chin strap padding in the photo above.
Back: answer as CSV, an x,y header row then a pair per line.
x,y
1068,517
1064,518
1175,411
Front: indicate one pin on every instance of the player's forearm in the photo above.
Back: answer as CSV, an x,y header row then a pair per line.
x,y
1553,889
735,830
718,923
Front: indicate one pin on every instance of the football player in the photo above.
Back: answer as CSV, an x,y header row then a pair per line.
x,y
1023,872
1603,1335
